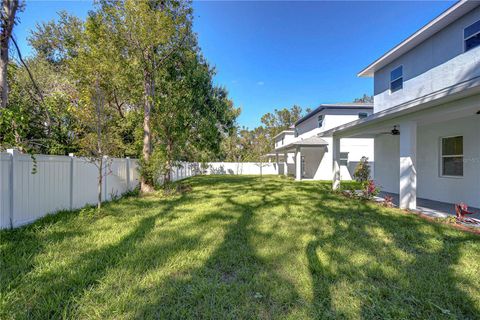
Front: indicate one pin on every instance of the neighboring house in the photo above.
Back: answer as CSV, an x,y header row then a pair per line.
x,y
307,156
426,121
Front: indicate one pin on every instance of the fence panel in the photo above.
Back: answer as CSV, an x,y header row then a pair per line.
x,y
5,194
35,195
63,182
116,178
85,183
240,168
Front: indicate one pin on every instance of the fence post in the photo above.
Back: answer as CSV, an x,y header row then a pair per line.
x,y
13,154
104,172
72,164
128,172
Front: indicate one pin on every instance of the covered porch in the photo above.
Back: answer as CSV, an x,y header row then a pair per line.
x,y
431,208
308,155
428,156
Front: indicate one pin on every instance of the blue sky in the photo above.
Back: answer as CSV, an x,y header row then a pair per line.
x,y
275,54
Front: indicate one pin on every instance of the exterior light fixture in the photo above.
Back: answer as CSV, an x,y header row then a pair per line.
x,y
395,131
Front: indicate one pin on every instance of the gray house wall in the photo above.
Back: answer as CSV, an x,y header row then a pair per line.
x,y
433,66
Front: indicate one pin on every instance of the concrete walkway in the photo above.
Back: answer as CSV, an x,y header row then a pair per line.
x,y
433,208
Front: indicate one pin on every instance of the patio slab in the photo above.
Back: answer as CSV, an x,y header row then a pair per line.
x,y
431,208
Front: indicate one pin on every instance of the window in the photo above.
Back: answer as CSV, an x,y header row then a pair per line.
x,y
282,140
320,121
343,159
296,132
396,79
362,115
452,156
471,36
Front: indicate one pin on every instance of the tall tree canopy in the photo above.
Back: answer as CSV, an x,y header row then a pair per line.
x,y
129,80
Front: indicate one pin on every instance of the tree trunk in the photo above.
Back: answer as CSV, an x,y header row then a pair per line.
x,y
169,161
100,180
7,21
145,186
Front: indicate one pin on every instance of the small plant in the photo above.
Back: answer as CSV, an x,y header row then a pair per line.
x,y
362,170
370,189
388,201
451,220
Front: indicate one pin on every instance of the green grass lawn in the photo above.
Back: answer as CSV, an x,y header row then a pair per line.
x,y
240,248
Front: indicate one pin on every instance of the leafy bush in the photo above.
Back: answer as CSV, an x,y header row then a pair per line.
x,y
362,170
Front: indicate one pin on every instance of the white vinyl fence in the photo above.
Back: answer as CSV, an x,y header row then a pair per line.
x,y
67,182
240,168
62,183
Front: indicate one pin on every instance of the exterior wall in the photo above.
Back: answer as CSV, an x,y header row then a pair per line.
x,y
387,162
430,184
438,63
319,161
333,118
287,138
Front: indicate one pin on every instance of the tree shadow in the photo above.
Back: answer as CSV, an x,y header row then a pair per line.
x,y
234,282
385,265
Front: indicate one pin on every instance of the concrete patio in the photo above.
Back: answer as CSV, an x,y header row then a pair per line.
x,y
431,208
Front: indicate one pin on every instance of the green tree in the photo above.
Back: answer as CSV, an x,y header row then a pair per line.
x,y
364,99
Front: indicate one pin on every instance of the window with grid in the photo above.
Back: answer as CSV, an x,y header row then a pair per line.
x,y
452,156
471,36
396,79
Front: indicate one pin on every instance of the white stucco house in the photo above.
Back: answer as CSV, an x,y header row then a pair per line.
x,y
299,150
426,119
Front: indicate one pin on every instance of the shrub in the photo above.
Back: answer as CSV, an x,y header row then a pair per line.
x,y
370,189
362,170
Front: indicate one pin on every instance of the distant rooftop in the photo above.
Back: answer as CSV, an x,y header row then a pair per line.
x,y
336,106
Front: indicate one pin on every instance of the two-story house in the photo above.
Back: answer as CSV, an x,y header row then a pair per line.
x,y
307,156
426,120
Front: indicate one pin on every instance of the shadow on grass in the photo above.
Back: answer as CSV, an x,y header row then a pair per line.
x,y
362,261
412,273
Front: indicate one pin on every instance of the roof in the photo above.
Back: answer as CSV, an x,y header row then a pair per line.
x,y
347,105
308,142
453,13
284,132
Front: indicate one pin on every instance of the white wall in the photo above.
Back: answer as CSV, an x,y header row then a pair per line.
x,y
332,118
430,184
319,161
387,162
241,168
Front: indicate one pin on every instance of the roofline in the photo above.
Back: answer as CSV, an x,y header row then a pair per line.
x,y
361,106
427,31
283,132
459,91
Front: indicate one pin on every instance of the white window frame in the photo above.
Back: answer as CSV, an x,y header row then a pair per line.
x,y
343,160
318,122
465,39
450,156
390,77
